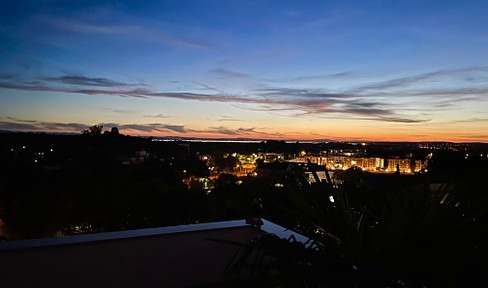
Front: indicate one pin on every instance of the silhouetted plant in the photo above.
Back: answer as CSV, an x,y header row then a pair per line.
x,y
409,236
94,130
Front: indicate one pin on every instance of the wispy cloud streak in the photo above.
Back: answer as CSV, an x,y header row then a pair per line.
x,y
157,116
310,77
226,73
88,81
225,118
31,125
134,31
404,81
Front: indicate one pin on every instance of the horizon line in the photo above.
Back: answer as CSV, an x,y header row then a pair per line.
x,y
242,139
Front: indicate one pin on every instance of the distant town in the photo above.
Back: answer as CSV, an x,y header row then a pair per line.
x,y
242,158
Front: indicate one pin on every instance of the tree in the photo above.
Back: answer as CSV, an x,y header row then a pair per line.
x,y
114,131
94,130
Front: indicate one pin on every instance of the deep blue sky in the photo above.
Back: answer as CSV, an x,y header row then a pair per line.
x,y
392,70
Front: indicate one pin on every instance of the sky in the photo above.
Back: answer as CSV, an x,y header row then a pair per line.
x,y
290,70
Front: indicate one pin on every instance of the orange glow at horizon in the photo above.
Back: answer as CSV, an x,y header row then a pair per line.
x,y
371,137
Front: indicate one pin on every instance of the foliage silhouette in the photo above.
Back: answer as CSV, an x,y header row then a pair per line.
x,y
408,236
94,130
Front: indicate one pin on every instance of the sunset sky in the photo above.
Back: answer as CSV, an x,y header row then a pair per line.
x,y
297,70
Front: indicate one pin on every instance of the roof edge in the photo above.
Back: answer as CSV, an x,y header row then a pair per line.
x,y
268,227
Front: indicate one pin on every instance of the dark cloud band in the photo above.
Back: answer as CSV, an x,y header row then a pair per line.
x,y
366,102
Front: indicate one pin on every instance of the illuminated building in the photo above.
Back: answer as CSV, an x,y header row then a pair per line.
x,y
343,162
271,157
402,164
367,164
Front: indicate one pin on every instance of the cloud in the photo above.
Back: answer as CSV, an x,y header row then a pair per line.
x,y
474,120
88,81
176,128
364,103
16,124
226,73
454,92
133,31
404,81
468,120
119,111
32,125
399,119
21,120
228,118
302,93
312,77
318,77
246,130
153,127
208,87
479,137
222,130
26,125
305,101
228,131
156,116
